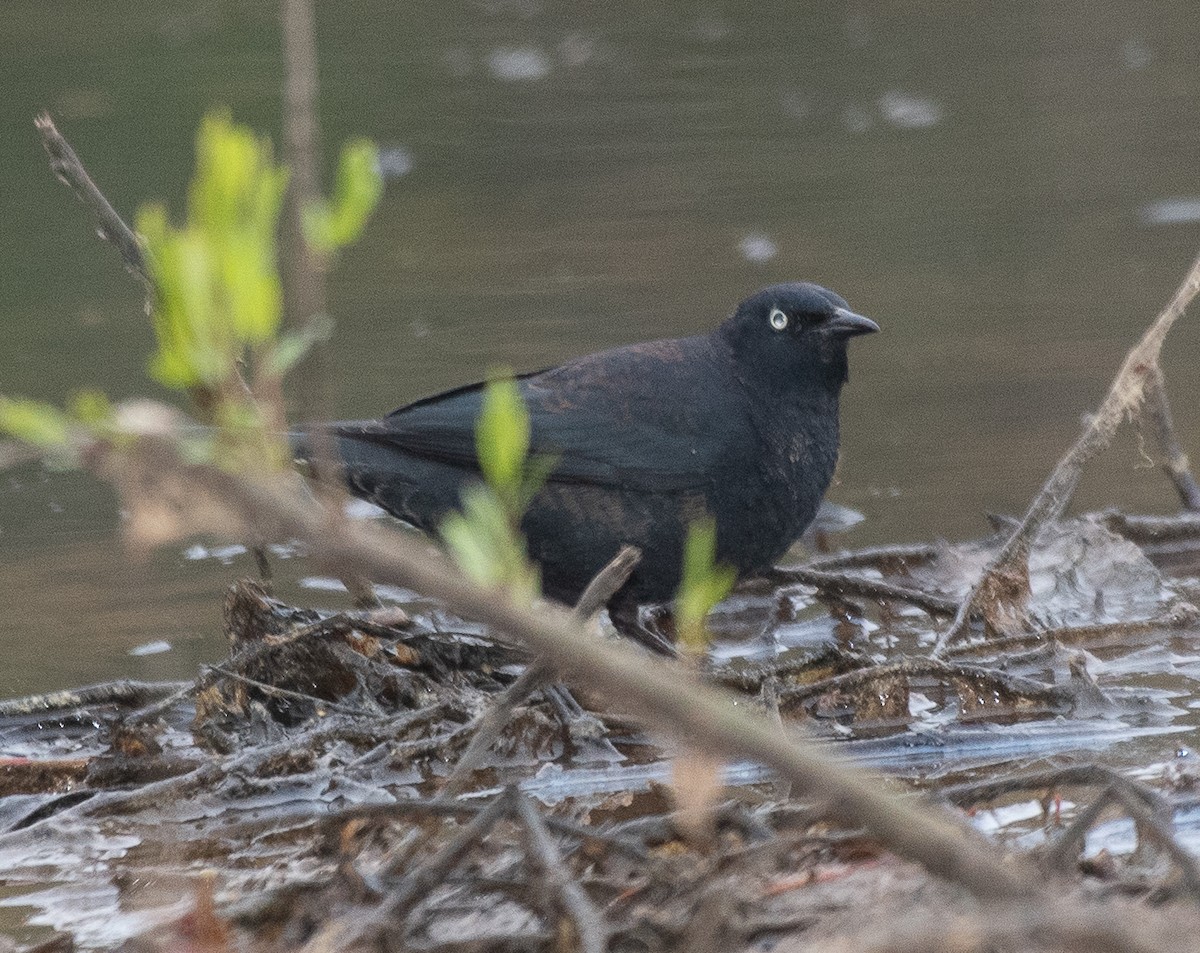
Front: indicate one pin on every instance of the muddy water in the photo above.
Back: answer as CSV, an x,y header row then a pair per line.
x,y
1011,194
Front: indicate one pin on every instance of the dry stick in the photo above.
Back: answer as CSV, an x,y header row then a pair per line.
x,y
1067,635
662,694
106,693
1145,818
914,554
66,165
1156,414
1008,571
844,583
917,667
590,927
276,691
1143,530
250,653
398,905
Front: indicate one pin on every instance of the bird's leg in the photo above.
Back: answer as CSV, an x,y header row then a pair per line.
x,y
626,617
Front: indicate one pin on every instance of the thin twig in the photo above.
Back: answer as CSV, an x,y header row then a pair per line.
x,y
106,693
844,583
1156,823
1144,530
112,228
590,927
1068,635
250,653
607,581
1003,589
396,906
988,678
875,557
278,692
490,724
1076,774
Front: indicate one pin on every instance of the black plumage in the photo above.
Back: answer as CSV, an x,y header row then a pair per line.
x,y
741,423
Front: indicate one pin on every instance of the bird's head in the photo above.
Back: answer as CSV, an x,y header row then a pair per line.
x,y
794,333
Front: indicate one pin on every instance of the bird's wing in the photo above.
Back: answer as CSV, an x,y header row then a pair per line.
x,y
625,438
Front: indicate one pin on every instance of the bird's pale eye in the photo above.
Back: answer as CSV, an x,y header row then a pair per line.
x,y
778,319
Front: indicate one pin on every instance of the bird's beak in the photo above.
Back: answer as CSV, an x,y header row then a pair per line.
x,y
845,323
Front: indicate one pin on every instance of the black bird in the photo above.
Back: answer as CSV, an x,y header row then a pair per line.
x,y
741,423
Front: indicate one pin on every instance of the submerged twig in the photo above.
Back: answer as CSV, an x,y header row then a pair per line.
x,y
1002,591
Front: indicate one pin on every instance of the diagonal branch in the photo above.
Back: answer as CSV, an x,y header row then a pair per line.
x,y
1000,595
66,165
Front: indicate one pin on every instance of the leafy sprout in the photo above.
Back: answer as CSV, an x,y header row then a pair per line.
x,y
485,537
704,583
217,306
217,292
331,225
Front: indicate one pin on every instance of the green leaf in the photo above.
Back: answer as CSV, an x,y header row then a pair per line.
x,y
331,225
36,423
502,439
291,347
91,407
216,281
483,542
703,584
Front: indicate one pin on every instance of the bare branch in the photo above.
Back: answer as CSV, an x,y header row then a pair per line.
x,y
112,228
1002,591
840,583
590,927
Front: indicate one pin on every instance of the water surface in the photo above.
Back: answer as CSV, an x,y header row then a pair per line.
x,y
1010,192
